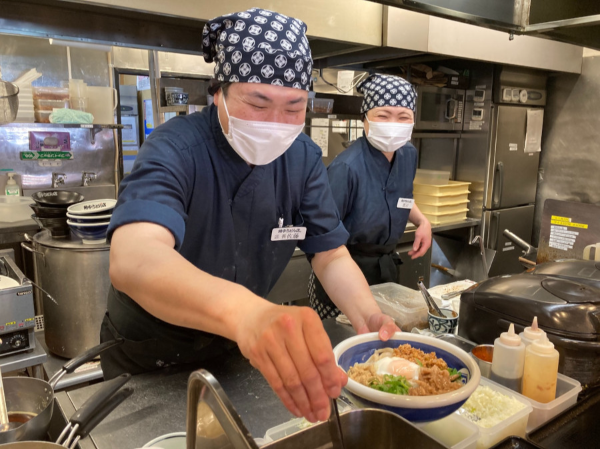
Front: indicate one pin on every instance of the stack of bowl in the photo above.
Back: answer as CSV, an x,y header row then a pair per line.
x,y
51,210
89,220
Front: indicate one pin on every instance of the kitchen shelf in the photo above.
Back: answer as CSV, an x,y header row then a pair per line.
x,y
175,108
94,128
65,125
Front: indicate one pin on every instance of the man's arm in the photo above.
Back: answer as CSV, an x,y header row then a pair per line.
x,y
287,344
422,235
348,289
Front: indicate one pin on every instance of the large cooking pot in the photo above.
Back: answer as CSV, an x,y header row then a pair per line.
x,y
76,275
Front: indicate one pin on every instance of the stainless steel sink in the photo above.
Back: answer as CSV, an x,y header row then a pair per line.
x,y
91,192
213,423
366,428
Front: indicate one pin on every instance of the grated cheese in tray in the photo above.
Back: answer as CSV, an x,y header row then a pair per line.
x,y
487,407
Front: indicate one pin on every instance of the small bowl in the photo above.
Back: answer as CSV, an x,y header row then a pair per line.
x,y
90,233
414,408
92,218
93,207
445,325
57,226
480,351
57,198
48,212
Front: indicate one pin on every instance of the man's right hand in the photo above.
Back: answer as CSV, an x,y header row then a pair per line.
x,y
290,347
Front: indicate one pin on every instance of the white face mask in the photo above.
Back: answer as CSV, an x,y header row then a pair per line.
x,y
260,143
389,137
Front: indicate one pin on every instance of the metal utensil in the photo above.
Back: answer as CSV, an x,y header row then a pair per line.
x,y
335,427
446,270
42,290
431,304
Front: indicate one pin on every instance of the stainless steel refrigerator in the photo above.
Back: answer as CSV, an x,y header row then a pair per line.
x,y
492,155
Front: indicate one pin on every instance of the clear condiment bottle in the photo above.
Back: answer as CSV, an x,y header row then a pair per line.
x,y
541,371
530,334
509,360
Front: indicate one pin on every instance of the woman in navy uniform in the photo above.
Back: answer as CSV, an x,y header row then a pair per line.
x,y
372,185
211,213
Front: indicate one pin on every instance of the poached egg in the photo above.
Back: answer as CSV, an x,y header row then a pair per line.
x,y
397,366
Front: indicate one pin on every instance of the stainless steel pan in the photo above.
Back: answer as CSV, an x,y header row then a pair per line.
x,y
89,415
36,396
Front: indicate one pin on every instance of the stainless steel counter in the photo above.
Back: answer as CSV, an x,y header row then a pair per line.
x,y
158,404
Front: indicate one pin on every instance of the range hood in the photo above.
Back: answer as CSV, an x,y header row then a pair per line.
x,y
572,21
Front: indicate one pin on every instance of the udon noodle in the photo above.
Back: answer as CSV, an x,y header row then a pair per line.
x,y
424,374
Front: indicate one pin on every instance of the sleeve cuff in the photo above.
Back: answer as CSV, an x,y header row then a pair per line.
x,y
138,211
325,242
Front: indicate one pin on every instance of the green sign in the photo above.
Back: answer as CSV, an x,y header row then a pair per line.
x,y
35,155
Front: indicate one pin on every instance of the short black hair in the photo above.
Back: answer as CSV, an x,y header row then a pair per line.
x,y
215,85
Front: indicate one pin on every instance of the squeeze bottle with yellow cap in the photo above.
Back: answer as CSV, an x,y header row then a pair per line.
x,y
541,371
509,359
530,334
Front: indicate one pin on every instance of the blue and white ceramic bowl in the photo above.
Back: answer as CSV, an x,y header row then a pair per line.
x,y
90,233
88,218
358,349
446,325
93,207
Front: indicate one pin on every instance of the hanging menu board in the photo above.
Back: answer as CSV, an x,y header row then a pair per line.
x,y
569,230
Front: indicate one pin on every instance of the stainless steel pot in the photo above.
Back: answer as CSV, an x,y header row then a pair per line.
x,y
36,397
76,275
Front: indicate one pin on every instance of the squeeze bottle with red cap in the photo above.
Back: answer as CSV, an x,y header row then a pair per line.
x,y
509,360
530,334
541,371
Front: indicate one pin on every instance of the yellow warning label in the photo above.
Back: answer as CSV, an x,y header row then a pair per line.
x,y
568,223
557,218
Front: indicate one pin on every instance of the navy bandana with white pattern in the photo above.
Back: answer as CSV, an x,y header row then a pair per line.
x,y
259,46
386,90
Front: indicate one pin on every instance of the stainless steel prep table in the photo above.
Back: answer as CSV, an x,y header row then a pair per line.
x,y
158,404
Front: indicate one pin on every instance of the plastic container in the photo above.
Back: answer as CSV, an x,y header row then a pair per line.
x,y
567,390
532,333
439,290
14,208
447,218
320,105
515,425
169,90
541,371
42,116
48,105
12,188
452,188
509,360
433,177
441,199
404,305
51,93
452,431
451,208
296,425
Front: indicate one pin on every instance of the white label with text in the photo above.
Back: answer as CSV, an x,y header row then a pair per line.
x,y
405,203
289,233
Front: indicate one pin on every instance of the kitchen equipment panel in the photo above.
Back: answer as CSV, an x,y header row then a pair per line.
x,y
439,109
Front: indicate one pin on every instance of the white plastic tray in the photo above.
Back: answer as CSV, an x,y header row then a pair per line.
x,y
452,188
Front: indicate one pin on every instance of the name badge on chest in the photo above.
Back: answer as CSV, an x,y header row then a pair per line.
x,y
288,233
405,203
